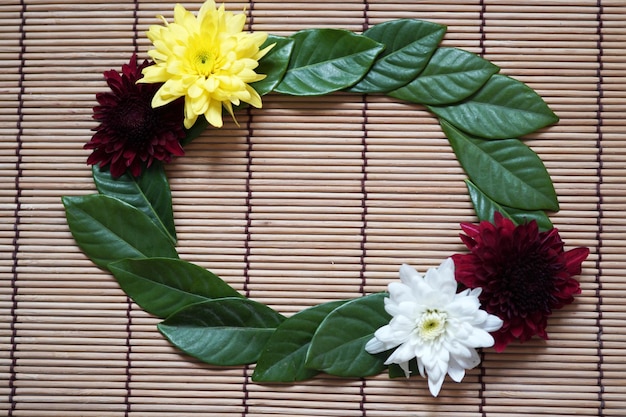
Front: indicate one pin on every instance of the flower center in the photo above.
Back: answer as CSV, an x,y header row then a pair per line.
x,y
204,62
528,281
431,324
134,120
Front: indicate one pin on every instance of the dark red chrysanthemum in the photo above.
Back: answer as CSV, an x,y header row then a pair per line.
x,y
524,274
131,133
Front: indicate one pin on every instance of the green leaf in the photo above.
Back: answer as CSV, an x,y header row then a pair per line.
x,y
283,358
224,331
485,208
451,76
327,60
507,171
150,193
107,230
409,44
338,346
502,108
273,64
163,286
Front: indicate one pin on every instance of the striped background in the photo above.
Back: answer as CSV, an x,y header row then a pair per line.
x,y
308,200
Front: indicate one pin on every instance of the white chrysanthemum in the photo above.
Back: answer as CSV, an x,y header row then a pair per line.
x,y
435,324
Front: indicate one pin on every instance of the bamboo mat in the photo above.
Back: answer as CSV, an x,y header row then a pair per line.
x,y
309,200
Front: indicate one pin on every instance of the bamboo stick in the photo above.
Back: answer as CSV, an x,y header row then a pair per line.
x,y
287,250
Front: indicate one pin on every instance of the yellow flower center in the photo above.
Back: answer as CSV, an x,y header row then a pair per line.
x,y
204,62
431,324
201,56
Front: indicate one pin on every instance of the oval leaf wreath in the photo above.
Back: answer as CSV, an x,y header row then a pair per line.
x,y
429,324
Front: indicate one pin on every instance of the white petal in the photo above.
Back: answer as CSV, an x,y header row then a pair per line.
x,y
412,279
434,385
452,352
430,298
375,346
408,274
405,368
391,306
442,279
461,332
422,350
432,278
456,370
403,353
463,307
492,323
469,362
476,292
437,365
399,330
410,311
388,336
480,338
399,292
478,319
420,367
446,268
458,349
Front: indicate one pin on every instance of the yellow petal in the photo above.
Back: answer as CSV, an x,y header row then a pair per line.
x,y
214,114
265,50
200,104
184,17
255,98
195,91
207,8
189,122
154,74
208,59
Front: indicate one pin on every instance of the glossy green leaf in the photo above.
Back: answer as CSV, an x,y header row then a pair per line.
x,y
274,63
150,193
108,229
409,44
338,346
502,108
507,170
163,286
327,60
451,76
283,358
485,208
224,331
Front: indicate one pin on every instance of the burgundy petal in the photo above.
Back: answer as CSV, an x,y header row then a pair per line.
x,y
524,274
131,133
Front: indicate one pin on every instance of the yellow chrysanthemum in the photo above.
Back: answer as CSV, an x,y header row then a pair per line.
x,y
209,60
